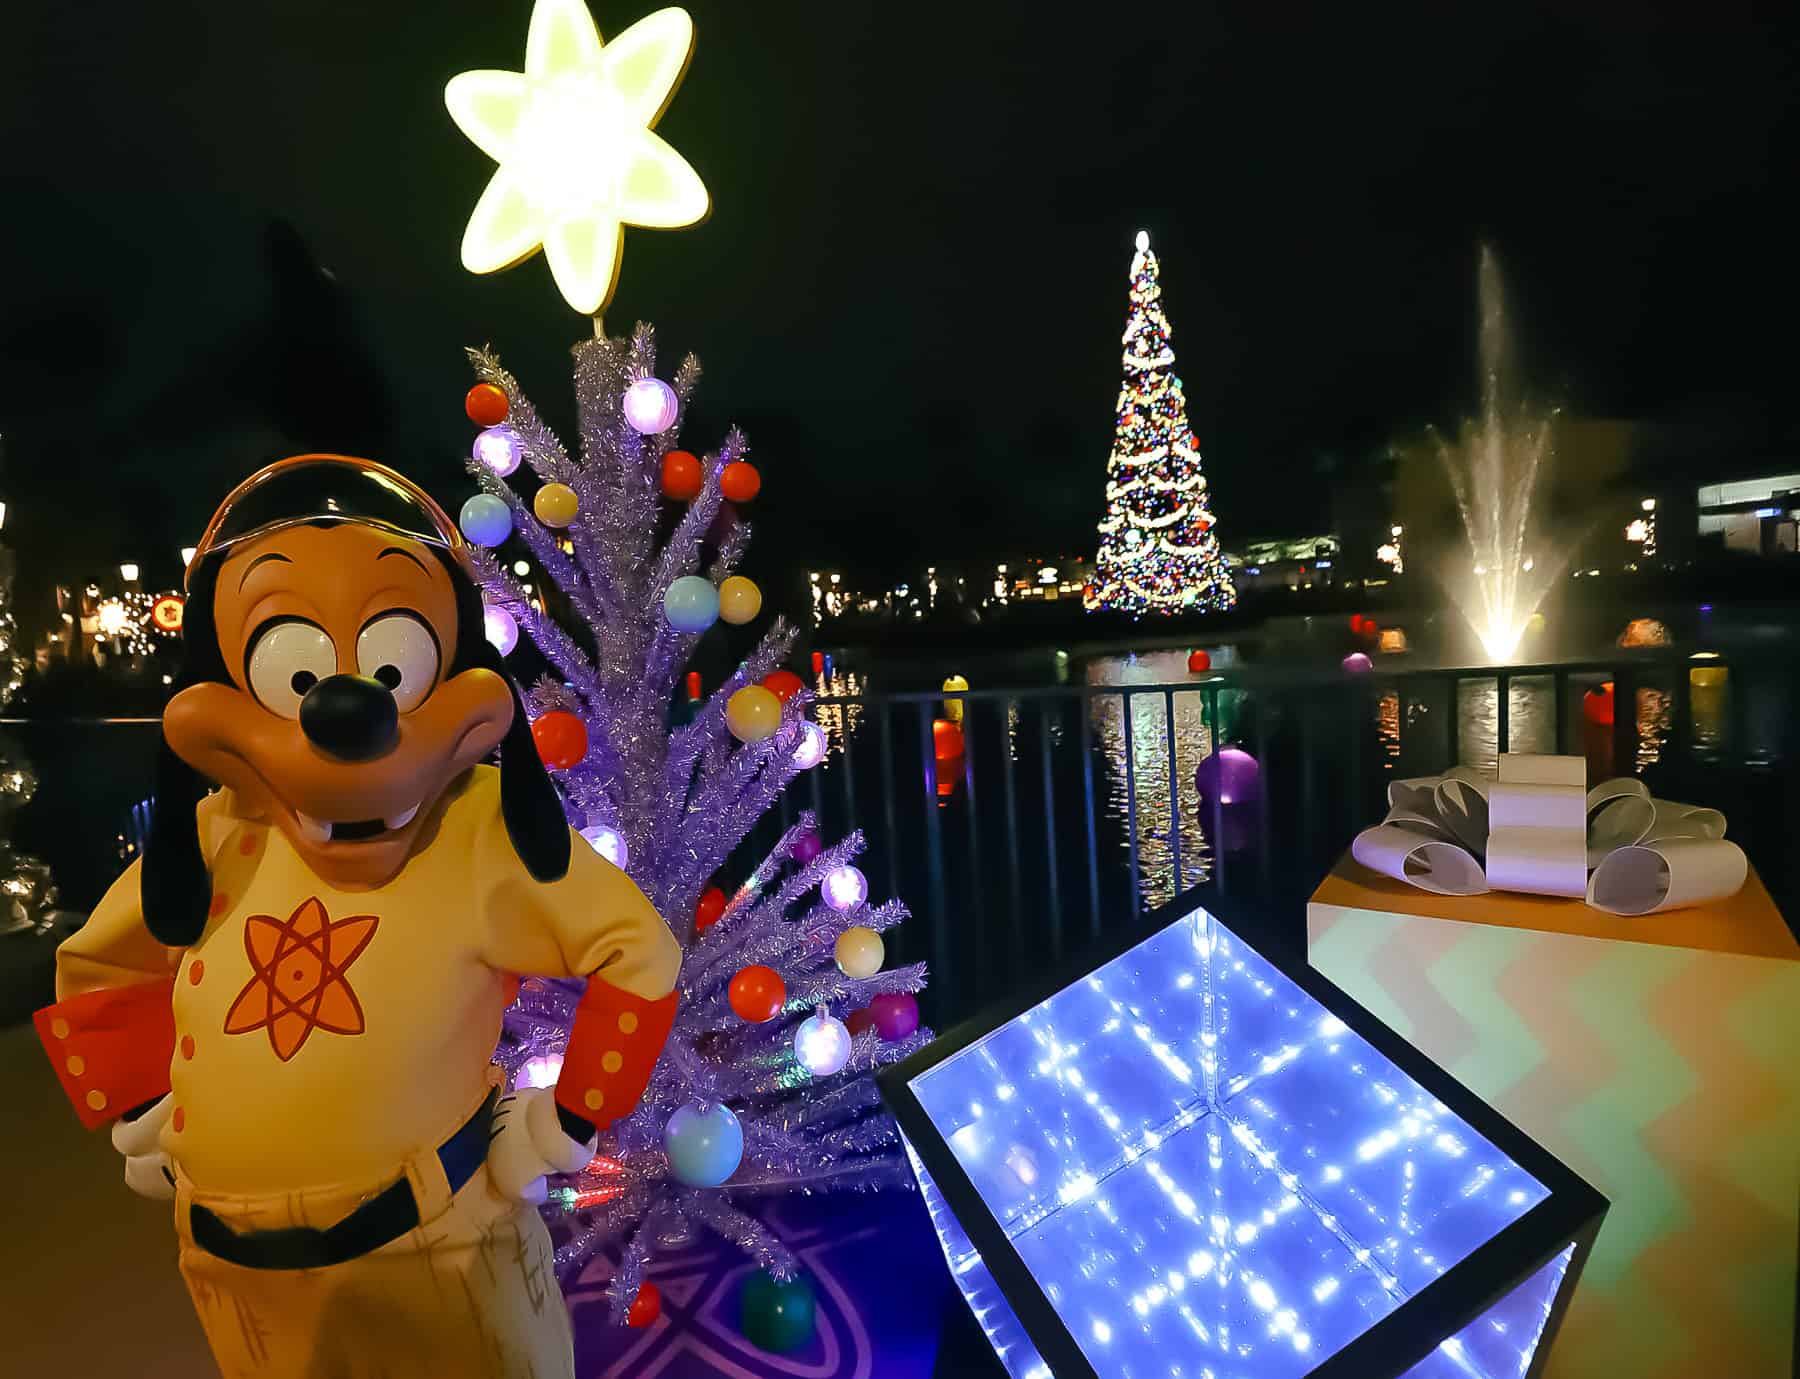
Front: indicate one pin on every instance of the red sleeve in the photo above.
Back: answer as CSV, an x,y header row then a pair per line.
x,y
111,1048
613,1047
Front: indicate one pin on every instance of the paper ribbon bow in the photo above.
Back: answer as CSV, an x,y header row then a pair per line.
x,y
1541,831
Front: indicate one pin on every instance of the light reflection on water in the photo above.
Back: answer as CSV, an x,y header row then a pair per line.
x,y
1150,778
840,721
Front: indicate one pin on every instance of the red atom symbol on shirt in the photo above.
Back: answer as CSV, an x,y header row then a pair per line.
x,y
299,983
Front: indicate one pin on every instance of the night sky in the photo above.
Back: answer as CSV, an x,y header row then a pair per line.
x,y
913,282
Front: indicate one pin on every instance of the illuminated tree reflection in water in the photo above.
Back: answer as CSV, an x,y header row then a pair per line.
x,y
1149,778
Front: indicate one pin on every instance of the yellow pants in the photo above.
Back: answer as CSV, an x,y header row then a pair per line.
x,y
471,1294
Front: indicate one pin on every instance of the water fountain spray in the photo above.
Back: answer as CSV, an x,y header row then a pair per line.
x,y
1493,469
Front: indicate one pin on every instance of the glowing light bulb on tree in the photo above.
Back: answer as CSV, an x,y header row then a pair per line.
x,y
609,843
822,1044
845,888
499,450
502,629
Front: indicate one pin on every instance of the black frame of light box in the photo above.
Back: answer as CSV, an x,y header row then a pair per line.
x,y
1571,1213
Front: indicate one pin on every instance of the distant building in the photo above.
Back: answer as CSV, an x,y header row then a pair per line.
x,y
1302,562
1756,517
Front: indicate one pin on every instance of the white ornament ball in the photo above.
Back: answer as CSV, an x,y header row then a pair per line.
x,y
651,406
811,750
822,1044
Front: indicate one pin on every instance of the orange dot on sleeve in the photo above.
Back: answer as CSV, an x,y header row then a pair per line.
x,y
196,970
187,1046
77,1065
628,1023
594,1099
611,1061
59,1028
179,1119
97,1100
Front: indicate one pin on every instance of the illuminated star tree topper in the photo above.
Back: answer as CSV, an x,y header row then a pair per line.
x,y
574,135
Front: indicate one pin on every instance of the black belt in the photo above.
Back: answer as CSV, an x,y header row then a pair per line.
x,y
385,1217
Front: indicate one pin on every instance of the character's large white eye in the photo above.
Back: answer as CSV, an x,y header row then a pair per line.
x,y
399,650
287,659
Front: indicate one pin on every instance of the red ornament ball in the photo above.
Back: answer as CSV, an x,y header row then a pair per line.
x,y
561,738
1356,623
946,740
646,1307
756,993
708,910
859,1020
681,477
740,482
783,684
896,1015
1198,661
486,405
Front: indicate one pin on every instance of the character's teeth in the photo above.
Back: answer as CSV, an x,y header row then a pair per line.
x,y
402,819
317,830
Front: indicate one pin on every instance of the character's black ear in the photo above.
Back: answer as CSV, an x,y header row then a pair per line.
x,y
528,800
174,887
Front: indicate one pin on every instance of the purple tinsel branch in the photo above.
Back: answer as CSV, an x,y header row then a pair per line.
x,y
747,1233
542,448
833,988
543,543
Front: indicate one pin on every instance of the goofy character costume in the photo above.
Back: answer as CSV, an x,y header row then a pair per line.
x,y
288,1007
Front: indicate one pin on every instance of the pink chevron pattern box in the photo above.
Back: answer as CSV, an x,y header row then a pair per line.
x,y
1655,1055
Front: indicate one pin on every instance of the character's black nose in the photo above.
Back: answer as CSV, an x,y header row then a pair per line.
x,y
351,717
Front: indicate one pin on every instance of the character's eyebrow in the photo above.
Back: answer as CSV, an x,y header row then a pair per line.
x,y
405,555
262,560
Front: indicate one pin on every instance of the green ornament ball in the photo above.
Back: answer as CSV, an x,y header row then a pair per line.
x,y
777,1316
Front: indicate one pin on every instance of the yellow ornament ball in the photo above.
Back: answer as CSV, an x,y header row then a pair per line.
x,y
753,713
859,952
556,505
739,600
953,708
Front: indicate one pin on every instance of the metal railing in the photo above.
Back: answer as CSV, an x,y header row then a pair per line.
x,y
1078,807
1068,809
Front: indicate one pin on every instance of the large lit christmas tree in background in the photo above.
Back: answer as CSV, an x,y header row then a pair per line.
x,y
1158,550
785,1004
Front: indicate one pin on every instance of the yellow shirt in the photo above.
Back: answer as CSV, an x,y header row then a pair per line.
x,y
323,1035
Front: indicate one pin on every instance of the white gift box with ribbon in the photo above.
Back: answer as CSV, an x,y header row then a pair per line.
x,y
1538,829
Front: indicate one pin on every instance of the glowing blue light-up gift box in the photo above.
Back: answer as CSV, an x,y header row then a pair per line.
x,y
1189,1162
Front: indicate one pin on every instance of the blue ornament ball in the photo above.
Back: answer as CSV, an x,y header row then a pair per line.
x,y
691,604
485,520
705,1143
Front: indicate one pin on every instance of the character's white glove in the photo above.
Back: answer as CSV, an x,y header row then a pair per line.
x,y
147,1169
528,1142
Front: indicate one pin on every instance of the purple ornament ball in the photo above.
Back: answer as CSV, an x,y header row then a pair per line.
x,y
1231,775
1356,663
896,1015
806,847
